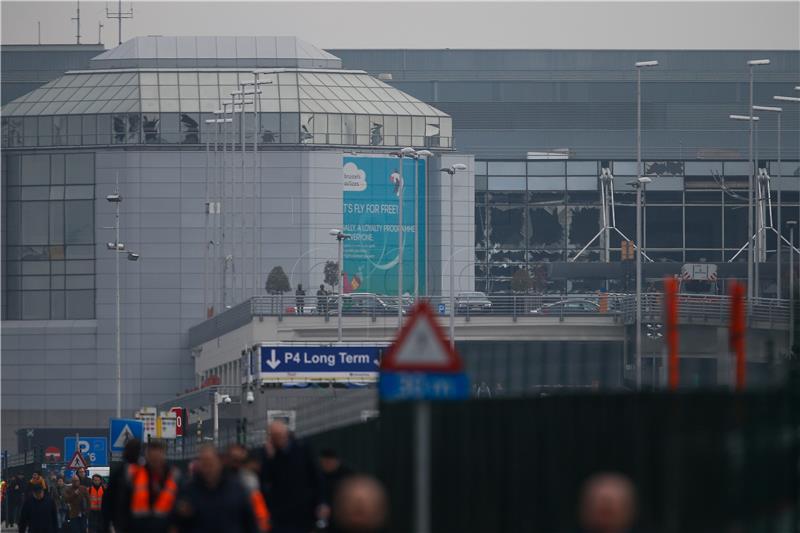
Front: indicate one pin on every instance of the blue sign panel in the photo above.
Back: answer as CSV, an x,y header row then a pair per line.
x,y
372,186
423,386
320,363
124,429
93,449
442,309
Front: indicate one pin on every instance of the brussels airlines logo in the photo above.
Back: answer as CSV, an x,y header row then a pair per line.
x,y
355,179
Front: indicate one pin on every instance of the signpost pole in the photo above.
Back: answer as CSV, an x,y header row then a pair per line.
x,y
400,191
422,467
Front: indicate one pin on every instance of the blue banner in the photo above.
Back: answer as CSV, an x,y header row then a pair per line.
x,y
320,363
372,187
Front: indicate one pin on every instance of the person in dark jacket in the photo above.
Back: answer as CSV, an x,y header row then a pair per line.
x,y
116,498
38,514
322,300
213,500
291,482
333,473
15,492
300,297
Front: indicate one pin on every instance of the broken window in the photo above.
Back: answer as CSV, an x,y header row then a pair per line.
x,y
546,227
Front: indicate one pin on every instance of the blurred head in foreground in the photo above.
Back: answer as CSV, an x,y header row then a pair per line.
x,y
608,504
360,505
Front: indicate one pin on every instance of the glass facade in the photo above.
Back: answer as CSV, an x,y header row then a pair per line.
x,y
547,211
319,107
48,264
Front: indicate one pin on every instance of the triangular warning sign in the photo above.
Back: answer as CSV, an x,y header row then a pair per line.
x,y
422,345
124,436
77,461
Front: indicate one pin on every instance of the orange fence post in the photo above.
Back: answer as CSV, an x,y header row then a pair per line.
x,y
737,331
671,331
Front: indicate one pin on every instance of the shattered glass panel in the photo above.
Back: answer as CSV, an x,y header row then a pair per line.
x,y
507,225
583,224
546,227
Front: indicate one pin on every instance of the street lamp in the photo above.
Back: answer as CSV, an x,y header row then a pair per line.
x,y
118,247
419,154
639,184
452,169
402,154
750,255
779,111
639,66
751,119
791,224
340,237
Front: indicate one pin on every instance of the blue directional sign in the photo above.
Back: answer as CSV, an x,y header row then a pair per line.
x,y
320,363
124,429
423,386
442,308
93,449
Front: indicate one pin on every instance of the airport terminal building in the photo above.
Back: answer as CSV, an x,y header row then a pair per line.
x,y
206,234
212,206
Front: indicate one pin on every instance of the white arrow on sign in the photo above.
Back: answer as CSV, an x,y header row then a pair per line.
x,y
273,361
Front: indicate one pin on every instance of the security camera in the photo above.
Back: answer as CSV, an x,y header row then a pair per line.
x,y
226,399
251,398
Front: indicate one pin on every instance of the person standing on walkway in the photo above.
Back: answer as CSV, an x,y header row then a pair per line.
x,y
57,491
38,514
322,300
291,483
300,298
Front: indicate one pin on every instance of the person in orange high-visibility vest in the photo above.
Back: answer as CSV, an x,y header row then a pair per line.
x,y
154,487
95,504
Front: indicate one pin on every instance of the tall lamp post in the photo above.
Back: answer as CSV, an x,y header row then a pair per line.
x,y
750,252
639,185
117,247
420,154
639,66
751,237
791,224
340,237
452,169
401,155
778,111
795,100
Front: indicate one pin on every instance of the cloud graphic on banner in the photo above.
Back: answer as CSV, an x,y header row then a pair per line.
x,y
355,179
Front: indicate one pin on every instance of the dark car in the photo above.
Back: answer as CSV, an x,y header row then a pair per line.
x,y
473,302
368,304
568,308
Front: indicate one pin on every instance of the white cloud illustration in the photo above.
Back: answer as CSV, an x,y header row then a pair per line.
x,y
355,179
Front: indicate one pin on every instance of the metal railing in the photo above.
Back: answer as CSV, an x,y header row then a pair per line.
x,y
707,309
694,309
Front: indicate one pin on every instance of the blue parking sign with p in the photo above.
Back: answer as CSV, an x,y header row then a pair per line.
x,y
93,449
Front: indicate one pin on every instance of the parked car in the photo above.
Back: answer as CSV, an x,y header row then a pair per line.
x,y
369,304
568,308
472,302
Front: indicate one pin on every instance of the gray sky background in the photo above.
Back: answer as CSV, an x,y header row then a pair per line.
x,y
446,24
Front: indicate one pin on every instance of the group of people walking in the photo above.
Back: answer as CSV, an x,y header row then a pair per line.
x,y
52,505
281,487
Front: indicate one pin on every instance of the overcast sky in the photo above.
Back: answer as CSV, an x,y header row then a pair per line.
x,y
446,24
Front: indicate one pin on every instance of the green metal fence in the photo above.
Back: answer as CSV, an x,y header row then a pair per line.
x,y
702,462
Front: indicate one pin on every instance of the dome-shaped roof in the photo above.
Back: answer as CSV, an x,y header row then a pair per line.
x,y
157,51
